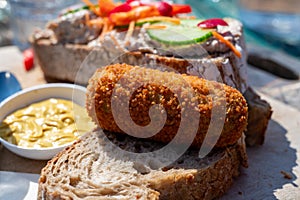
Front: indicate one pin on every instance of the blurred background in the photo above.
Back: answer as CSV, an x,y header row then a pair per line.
x,y
268,23
20,18
273,24
5,33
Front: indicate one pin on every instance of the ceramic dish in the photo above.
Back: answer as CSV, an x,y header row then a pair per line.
x,y
9,85
34,94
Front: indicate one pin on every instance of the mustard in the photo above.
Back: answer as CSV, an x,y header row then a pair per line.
x,y
49,123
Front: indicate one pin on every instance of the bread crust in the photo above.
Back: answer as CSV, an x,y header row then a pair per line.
x,y
260,112
62,60
77,172
65,62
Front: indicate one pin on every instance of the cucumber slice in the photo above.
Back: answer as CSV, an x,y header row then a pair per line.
x,y
190,22
182,34
139,24
76,10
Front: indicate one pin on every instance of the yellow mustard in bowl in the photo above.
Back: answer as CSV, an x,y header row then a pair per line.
x,y
49,123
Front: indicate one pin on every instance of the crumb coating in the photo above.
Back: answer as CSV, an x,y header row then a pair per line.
x,y
208,98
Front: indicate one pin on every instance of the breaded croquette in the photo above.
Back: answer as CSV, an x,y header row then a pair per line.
x,y
136,90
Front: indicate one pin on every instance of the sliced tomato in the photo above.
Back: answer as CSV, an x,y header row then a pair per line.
x,y
164,8
180,8
212,23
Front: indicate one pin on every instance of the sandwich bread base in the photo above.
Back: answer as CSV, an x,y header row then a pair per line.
x,y
94,168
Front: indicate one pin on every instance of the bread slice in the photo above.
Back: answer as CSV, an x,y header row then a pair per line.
x,y
95,167
65,60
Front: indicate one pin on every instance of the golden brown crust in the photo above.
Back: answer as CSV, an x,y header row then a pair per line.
x,y
102,84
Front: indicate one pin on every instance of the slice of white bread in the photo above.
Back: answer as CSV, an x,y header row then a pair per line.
x,y
95,168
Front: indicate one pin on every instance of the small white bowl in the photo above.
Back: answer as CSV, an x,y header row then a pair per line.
x,y
25,97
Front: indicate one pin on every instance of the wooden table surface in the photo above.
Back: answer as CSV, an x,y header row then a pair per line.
x,y
11,59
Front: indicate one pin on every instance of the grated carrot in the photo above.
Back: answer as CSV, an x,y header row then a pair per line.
x,y
129,32
105,28
154,26
99,4
229,44
92,6
87,18
110,27
188,17
88,3
105,6
160,18
97,22
115,41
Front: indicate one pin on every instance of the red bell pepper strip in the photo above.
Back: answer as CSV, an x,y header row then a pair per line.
x,y
28,58
180,8
124,18
130,1
124,7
